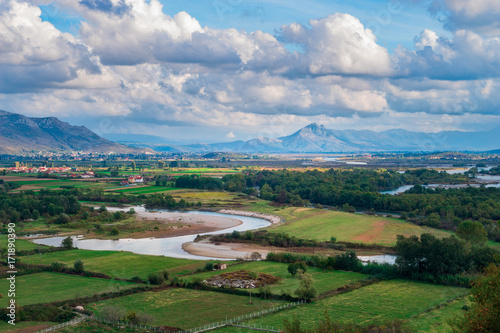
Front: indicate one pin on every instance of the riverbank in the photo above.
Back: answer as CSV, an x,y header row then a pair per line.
x,y
268,217
206,248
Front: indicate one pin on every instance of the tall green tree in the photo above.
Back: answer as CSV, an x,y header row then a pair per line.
x,y
473,232
306,289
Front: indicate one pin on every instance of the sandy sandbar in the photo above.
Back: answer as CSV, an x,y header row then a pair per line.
x,y
227,250
180,224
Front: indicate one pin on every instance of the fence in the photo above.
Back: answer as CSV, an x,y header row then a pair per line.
x,y
228,322
257,327
62,325
237,320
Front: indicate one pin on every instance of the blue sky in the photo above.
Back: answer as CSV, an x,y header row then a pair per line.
x,y
220,70
393,24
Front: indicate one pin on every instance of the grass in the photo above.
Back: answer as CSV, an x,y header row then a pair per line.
x,y
324,280
311,223
372,304
124,265
8,328
51,287
437,321
145,189
211,198
186,308
21,244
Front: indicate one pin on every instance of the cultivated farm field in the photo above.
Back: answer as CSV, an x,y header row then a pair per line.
x,y
312,223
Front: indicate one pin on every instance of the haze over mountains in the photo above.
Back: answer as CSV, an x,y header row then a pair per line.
x,y
20,134
316,138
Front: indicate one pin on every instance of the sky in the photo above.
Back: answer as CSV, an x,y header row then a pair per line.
x,y
224,70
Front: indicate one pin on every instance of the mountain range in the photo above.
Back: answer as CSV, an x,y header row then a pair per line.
x,y
315,138
20,134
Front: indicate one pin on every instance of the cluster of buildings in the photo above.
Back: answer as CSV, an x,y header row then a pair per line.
x,y
46,170
65,171
136,179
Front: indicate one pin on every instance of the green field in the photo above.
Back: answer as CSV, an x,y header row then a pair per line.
x,y
436,321
211,198
311,223
124,265
8,328
145,189
372,304
51,287
186,308
324,280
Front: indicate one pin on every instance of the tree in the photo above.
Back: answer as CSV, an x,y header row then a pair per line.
x,y
114,172
484,314
296,267
255,256
473,232
306,289
133,165
67,243
114,231
78,265
35,215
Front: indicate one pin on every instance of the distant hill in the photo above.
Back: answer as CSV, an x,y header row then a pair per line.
x,y
20,134
315,138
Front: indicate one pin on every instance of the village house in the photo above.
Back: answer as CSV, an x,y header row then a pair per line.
x,y
135,179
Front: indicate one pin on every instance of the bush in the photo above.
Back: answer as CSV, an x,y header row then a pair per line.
x,y
114,231
79,266
57,266
156,278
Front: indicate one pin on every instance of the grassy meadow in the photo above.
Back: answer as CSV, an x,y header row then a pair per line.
x,y
372,304
320,224
50,287
186,308
123,265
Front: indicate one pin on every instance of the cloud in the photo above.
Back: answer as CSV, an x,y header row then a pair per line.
x,y
143,67
230,135
464,57
34,54
339,44
480,16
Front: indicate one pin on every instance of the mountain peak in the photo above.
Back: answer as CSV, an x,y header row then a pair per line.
x,y
314,126
19,133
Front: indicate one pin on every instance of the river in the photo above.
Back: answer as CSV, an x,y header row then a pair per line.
x,y
168,247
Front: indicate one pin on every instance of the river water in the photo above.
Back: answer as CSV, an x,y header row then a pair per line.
x,y
168,247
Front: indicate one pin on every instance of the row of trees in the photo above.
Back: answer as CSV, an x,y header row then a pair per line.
x,y
447,256
17,207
